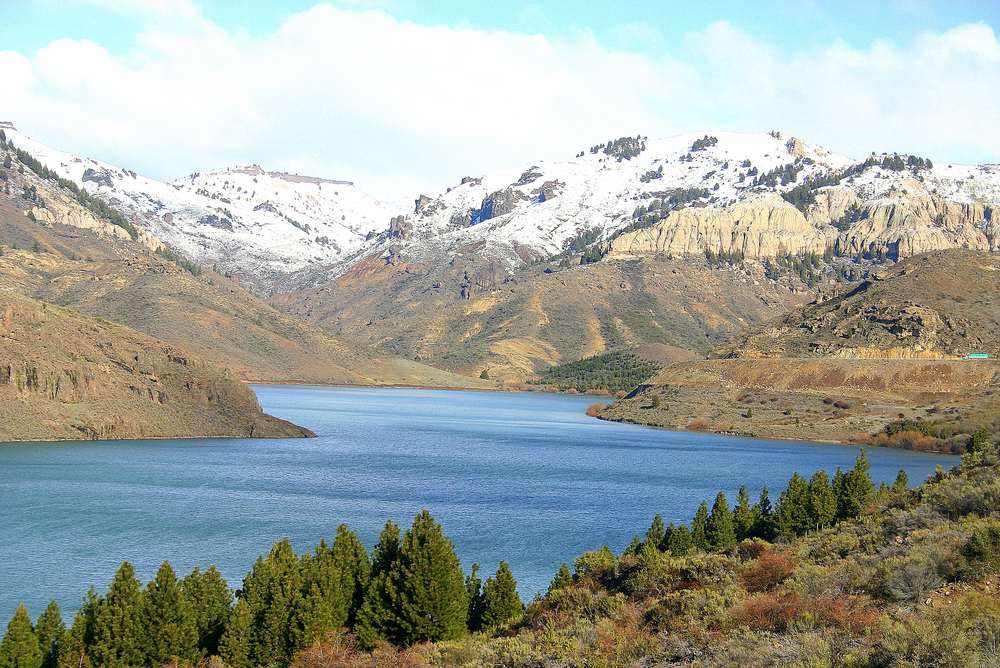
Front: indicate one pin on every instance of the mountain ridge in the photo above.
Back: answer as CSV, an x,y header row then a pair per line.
x,y
278,235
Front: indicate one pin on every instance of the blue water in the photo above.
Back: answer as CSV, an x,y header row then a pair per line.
x,y
522,477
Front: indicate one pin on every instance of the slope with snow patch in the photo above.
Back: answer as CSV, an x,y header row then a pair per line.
x,y
248,221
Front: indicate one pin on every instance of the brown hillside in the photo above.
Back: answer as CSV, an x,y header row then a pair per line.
x,y
845,367
466,317
936,305
809,398
78,262
64,376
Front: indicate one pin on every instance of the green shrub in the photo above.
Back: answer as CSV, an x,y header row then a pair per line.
x,y
982,552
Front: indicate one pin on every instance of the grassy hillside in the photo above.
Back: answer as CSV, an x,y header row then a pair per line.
x,y
811,398
850,366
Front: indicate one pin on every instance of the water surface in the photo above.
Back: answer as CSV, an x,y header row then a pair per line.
x,y
522,477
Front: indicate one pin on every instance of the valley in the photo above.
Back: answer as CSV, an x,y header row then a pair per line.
x,y
377,334
735,249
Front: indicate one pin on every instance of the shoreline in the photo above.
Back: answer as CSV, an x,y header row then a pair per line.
x,y
790,439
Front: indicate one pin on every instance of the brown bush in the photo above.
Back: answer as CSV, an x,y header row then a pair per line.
x,y
339,650
751,548
778,611
593,410
771,568
697,424
909,440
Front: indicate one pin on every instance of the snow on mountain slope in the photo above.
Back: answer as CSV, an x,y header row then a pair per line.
x,y
264,226
632,182
549,204
254,223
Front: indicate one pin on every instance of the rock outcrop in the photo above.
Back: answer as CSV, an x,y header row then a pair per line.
x,y
906,225
56,208
764,227
893,227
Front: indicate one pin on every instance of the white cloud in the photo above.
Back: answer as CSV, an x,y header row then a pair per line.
x,y
399,107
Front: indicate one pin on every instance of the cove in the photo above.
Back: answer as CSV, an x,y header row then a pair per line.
x,y
524,477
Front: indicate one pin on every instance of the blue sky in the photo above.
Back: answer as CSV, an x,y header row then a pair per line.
x,y
412,95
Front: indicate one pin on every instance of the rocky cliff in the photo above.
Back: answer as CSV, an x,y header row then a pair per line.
x,y
67,376
767,226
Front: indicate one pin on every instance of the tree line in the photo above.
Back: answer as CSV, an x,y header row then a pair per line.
x,y
411,588
804,505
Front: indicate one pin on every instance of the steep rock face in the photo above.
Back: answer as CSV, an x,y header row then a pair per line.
x,y
894,227
54,208
764,227
902,226
64,375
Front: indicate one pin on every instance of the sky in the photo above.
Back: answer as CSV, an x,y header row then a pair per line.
x,y
404,96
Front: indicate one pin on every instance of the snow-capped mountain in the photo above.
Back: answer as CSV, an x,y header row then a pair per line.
x,y
257,224
886,204
744,194
548,205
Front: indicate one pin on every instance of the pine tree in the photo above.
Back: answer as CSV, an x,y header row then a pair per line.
x,y
563,578
981,441
902,483
211,600
839,486
19,648
501,604
699,528
680,541
427,586
334,582
634,547
743,515
51,632
656,532
666,537
171,632
822,501
118,632
75,650
236,644
859,490
376,618
719,529
474,590
763,517
271,590
351,558
791,517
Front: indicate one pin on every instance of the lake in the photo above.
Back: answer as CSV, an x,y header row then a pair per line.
x,y
524,477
